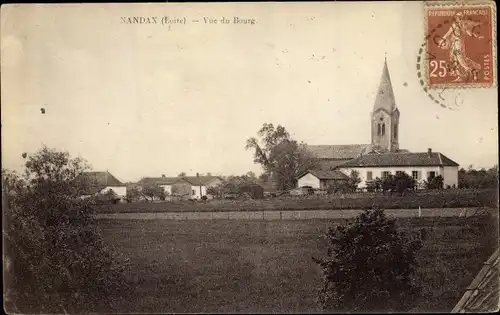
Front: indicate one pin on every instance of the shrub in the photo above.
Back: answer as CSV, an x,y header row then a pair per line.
x,y
58,260
434,182
369,266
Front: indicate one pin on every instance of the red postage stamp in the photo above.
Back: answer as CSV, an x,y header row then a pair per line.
x,y
461,44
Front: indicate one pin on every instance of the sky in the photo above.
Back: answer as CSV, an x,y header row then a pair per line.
x,y
150,99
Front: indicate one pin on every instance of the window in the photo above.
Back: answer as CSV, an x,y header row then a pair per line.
x,y
383,129
399,172
395,131
369,175
431,174
193,192
378,130
415,176
385,174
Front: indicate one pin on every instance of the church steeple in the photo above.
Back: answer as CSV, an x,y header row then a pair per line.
x,y
385,96
385,115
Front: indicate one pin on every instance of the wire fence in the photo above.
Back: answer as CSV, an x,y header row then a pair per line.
x,y
292,214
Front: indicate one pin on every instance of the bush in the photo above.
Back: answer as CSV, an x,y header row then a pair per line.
x,y
369,266
58,260
434,182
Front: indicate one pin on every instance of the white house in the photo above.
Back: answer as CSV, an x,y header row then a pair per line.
x,y
200,184
320,179
167,183
101,182
420,166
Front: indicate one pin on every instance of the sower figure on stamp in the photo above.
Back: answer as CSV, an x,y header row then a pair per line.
x,y
461,65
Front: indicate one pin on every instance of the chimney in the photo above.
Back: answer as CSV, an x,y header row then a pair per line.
x,y
162,175
429,152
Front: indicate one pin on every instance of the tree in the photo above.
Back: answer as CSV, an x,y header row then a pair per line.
x,y
281,157
369,266
403,182
59,261
181,189
434,182
109,196
478,179
374,185
154,191
182,174
353,181
133,194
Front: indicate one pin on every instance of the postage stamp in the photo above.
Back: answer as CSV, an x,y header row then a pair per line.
x,y
460,43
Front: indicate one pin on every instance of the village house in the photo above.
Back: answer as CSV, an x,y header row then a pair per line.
x,y
321,179
192,187
101,182
200,184
420,166
382,156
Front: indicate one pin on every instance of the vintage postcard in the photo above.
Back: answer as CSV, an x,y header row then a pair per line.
x,y
300,157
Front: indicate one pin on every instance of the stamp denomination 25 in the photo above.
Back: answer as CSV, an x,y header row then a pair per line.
x,y
460,45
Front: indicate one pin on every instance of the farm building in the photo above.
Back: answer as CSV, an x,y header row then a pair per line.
x,y
420,166
100,183
199,184
321,179
171,185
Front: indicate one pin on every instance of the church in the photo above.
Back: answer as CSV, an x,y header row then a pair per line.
x,y
382,156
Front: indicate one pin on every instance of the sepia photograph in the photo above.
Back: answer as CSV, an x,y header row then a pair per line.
x,y
256,157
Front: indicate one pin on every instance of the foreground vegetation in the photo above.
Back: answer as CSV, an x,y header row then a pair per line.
x,y
450,198
267,266
55,258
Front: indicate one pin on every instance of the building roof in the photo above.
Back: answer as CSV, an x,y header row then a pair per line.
x,y
400,159
328,175
482,295
385,99
328,165
201,180
339,152
98,181
160,180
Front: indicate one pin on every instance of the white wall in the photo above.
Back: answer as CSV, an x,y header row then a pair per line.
x,y
450,174
196,191
167,189
309,180
377,172
121,191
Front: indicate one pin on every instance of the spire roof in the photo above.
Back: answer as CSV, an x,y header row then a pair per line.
x,y
385,95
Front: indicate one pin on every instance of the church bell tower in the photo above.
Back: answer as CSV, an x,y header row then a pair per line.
x,y
385,116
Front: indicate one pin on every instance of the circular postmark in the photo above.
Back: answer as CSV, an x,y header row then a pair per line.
x,y
443,67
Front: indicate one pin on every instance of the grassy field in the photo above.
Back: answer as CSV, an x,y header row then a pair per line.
x,y
266,266
451,198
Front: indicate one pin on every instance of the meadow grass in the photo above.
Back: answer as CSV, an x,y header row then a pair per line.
x,y
266,266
